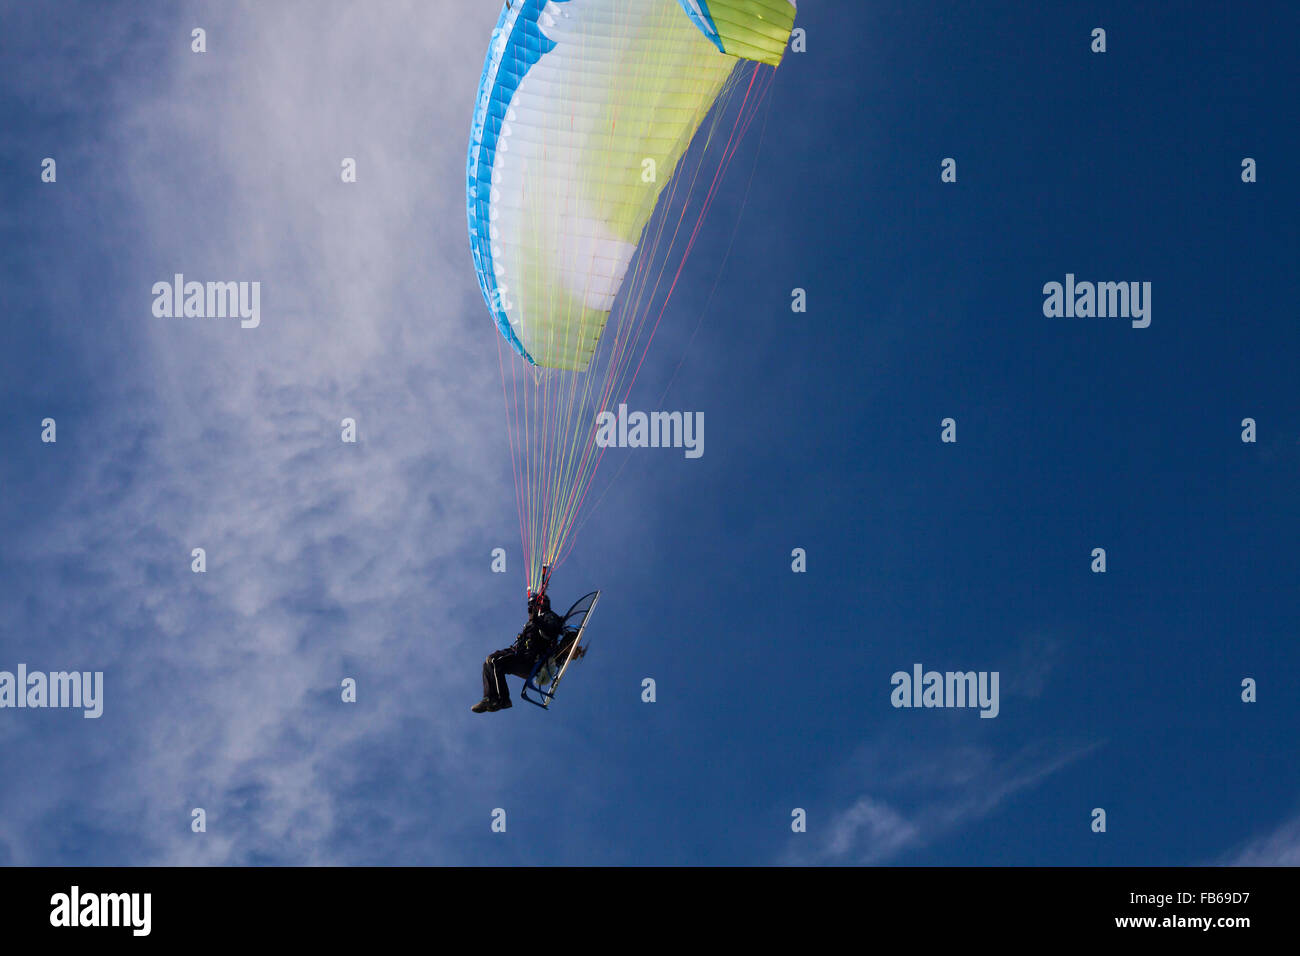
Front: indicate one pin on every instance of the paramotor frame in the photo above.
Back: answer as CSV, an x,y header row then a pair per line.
x,y
548,671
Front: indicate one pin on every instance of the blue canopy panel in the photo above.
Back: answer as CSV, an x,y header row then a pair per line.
x,y
673,76
517,43
698,11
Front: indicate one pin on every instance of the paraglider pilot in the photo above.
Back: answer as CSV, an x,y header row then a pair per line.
x,y
537,639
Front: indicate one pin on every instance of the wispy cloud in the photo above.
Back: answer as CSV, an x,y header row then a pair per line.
x,y
867,832
325,560
919,798
1278,848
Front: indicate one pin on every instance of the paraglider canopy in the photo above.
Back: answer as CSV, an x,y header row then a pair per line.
x,y
599,126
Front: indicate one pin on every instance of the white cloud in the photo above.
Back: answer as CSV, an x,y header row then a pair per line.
x,y
870,831
325,560
1278,848
943,789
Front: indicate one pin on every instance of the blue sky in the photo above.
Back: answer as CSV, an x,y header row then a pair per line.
x,y
372,561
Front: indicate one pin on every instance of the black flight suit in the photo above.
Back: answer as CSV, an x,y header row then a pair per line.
x,y
537,638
